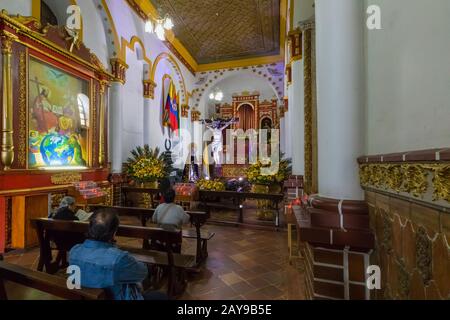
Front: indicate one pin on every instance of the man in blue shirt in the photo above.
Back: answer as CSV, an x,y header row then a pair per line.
x,y
104,266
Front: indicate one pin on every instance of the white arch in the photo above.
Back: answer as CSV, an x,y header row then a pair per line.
x,y
203,96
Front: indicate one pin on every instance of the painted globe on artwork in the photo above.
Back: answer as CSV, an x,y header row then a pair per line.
x,y
56,150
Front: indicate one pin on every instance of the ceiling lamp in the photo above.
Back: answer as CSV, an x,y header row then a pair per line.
x,y
159,27
149,26
168,24
160,33
217,95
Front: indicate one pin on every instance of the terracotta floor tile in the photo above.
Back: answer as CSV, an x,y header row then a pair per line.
x,y
231,278
271,292
258,283
242,287
242,264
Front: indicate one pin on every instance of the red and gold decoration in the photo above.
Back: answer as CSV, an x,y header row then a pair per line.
x,y
195,115
289,74
54,115
149,89
119,70
251,111
211,185
185,111
295,44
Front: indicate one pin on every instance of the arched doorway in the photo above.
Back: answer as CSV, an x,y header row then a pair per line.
x,y
246,115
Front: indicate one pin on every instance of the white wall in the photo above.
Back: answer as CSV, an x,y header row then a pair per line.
x,y
133,107
236,84
129,25
303,10
408,77
22,7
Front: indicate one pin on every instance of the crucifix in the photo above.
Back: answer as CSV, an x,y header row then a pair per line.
x,y
217,126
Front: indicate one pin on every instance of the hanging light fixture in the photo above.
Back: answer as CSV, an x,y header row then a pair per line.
x,y
159,27
168,24
160,33
149,26
216,95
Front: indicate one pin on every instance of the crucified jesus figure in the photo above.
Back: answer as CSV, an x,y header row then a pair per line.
x,y
217,126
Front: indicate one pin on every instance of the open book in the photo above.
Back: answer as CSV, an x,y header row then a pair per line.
x,y
83,215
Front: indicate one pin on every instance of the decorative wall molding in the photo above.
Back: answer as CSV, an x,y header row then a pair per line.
x,y
412,248
23,139
118,69
295,44
423,175
289,74
417,180
149,89
195,115
66,178
185,111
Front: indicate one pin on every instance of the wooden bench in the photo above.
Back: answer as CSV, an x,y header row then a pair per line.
x,y
53,285
239,199
198,219
175,264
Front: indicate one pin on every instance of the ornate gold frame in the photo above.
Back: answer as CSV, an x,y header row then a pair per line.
x,y
92,110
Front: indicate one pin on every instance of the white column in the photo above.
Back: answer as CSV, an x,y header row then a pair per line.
x,y
116,126
288,136
147,120
283,135
340,96
297,118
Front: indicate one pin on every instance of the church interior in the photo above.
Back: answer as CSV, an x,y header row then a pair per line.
x,y
224,150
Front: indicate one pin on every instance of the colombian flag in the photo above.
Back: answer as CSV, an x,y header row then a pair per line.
x,y
167,108
171,109
174,119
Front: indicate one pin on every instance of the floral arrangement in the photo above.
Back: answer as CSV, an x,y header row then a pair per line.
x,y
148,165
211,185
254,175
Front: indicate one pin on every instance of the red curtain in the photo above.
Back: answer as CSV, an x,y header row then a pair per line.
x,y
246,116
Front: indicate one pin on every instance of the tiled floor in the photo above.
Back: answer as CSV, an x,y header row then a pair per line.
x,y
242,264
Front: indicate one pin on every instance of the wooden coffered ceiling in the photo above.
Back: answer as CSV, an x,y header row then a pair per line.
x,y
224,30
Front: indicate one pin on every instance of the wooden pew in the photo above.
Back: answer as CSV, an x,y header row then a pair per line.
x,y
198,219
239,198
50,284
176,264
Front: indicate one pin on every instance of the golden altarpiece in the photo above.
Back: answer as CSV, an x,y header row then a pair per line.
x,y
252,114
54,122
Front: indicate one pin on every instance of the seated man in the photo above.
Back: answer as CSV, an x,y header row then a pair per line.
x,y
64,241
168,215
104,266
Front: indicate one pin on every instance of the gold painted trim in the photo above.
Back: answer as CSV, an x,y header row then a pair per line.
x,y
132,46
149,89
146,10
22,150
36,9
102,155
15,24
308,114
291,14
7,142
172,60
240,63
66,178
411,178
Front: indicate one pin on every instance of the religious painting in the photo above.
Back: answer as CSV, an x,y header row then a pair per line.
x,y
58,124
